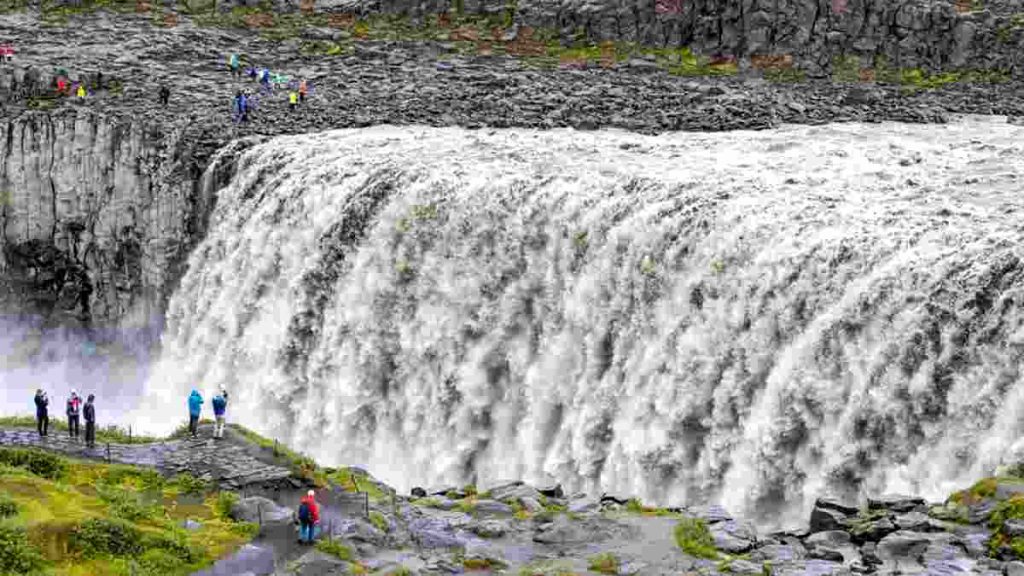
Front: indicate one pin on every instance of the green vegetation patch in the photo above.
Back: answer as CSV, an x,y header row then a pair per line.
x,y
694,538
606,563
302,466
358,480
67,517
336,549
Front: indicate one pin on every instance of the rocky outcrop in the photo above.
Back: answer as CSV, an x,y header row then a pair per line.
x,y
913,33
98,215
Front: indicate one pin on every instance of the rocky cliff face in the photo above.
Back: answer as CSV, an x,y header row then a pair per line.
x,y
98,214
911,33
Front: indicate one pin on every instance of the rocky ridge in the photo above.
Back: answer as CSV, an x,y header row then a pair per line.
x,y
102,200
513,527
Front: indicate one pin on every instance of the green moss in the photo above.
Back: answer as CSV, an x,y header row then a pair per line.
x,y
8,507
606,563
785,75
223,504
846,69
356,480
336,549
379,521
694,538
102,519
37,462
17,556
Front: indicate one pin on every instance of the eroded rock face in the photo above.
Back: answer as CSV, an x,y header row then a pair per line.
x,y
97,216
917,33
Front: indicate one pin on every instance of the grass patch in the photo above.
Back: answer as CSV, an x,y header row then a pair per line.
x,y
548,568
379,521
357,480
336,549
1010,509
302,466
784,75
101,519
482,564
694,538
605,563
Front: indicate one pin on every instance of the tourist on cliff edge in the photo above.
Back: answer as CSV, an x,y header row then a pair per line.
x,y
195,407
309,517
42,413
89,411
73,407
220,405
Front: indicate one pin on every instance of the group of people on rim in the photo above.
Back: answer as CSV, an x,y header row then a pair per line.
x,y
308,514
244,103
74,410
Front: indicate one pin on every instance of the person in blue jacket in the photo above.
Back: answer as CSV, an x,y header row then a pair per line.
x,y
220,405
195,407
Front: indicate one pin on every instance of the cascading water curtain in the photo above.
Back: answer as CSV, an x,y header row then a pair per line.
x,y
746,318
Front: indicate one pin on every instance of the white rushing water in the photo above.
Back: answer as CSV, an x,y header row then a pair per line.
x,y
750,318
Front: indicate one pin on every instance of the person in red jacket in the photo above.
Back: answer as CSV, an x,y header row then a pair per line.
x,y
309,517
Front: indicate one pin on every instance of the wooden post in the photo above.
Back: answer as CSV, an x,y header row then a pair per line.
x,y
108,452
129,433
366,504
275,446
259,517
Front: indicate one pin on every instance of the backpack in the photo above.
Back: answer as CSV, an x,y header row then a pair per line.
x,y
304,513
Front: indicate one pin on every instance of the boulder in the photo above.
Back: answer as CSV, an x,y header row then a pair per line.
x,y
844,508
896,503
824,519
550,488
810,566
870,530
531,504
190,524
488,528
607,499
778,553
1014,568
434,533
733,537
947,557
514,491
917,522
905,550
259,509
833,545
1013,528
418,492
492,507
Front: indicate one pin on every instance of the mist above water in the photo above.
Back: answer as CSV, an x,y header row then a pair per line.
x,y
751,318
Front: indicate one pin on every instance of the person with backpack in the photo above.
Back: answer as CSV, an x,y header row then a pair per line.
x,y
42,412
220,405
195,408
73,407
89,411
309,517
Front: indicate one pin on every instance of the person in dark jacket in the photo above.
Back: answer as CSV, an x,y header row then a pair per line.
x,y
42,412
165,95
73,410
89,411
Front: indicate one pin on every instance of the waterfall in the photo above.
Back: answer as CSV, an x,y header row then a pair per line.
x,y
749,318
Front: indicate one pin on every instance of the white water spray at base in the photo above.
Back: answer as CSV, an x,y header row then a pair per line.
x,y
751,318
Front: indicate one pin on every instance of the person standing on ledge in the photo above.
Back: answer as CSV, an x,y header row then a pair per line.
x,y
195,407
42,413
220,405
165,94
73,407
293,100
89,412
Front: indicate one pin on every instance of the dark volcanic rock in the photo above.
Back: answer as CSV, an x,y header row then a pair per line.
x,y
895,503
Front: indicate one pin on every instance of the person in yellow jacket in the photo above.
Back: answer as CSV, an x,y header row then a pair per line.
x,y
293,99
81,91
